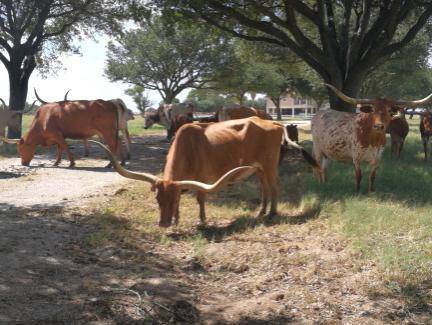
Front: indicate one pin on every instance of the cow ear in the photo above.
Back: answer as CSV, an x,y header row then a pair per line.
x,y
366,109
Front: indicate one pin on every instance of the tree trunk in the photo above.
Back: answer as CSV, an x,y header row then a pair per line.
x,y
19,75
276,101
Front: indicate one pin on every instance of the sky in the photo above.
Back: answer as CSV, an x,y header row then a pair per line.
x,y
83,74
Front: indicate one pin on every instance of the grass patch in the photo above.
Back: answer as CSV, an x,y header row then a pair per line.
x,y
393,226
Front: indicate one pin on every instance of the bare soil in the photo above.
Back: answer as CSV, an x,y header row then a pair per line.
x,y
290,269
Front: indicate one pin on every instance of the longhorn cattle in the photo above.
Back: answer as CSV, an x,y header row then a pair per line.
x,y
208,152
353,137
238,112
124,115
398,129
426,130
165,114
80,119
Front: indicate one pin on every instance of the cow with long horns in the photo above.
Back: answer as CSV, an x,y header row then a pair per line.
x,y
351,137
78,119
214,152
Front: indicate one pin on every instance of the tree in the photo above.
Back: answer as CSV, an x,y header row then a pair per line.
x,y
139,97
341,40
207,100
32,33
166,57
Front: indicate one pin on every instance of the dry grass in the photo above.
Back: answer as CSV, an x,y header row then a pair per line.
x,y
330,254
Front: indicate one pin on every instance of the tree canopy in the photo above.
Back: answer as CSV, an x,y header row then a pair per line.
x,y
33,33
341,40
168,57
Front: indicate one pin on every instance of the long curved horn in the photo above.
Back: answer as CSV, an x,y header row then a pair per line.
x,y
124,172
414,103
38,98
10,141
65,96
31,107
3,103
348,99
243,172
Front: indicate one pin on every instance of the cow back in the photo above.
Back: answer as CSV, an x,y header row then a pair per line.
x,y
204,152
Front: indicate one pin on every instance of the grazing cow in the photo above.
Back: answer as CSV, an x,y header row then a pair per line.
x,y
208,152
398,129
165,114
426,130
353,137
124,115
80,119
234,112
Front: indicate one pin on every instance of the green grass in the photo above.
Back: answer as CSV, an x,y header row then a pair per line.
x,y
392,226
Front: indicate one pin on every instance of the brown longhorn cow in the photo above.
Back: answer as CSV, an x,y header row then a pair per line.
x,y
212,152
124,115
80,119
234,112
351,137
398,129
426,130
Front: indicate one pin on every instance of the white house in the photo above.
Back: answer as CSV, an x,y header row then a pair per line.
x,y
291,104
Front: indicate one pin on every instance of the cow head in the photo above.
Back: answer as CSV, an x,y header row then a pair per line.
x,y
150,118
168,191
26,152
380,109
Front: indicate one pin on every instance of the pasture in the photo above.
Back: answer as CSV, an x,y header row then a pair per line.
x,y
330,256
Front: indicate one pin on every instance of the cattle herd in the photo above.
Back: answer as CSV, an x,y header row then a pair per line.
x,y
224,148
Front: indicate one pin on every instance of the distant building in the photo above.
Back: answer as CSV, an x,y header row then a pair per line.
x,y
291,104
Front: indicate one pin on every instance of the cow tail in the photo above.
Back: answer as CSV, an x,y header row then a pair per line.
x,y
118,109
306,155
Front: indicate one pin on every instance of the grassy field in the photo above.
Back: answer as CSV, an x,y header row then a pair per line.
x,y
392,227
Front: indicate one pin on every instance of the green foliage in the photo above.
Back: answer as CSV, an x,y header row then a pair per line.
x,y
166,57
139,97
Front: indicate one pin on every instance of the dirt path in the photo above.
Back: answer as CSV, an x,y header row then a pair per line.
x,y
45,276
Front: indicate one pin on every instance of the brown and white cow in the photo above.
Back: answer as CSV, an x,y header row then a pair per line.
x,y
80,119
351,137
124,115
398,129
207,153
426,131
165,114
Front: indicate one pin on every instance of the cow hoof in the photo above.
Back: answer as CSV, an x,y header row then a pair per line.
x,y
72,164
128,157
56,164
109,165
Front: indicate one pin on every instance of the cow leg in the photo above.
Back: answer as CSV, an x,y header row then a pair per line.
x,y
425,146
114,146
86,148
274,189
401,143
176,216
324,164
358,175
62,145
201,201
265,191
372,177
58,155
127,144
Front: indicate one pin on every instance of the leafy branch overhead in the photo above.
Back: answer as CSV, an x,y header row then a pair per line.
x,y
168,58
341,40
